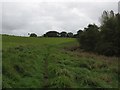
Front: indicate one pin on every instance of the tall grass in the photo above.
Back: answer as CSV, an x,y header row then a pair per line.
x,y
45,62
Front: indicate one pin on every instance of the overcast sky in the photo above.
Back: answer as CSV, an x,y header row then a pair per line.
x,y
21,18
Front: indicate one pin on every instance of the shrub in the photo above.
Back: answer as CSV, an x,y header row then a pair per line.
x,y
104,40
89,38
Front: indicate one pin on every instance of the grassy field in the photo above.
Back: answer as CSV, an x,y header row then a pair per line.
x,y
54,63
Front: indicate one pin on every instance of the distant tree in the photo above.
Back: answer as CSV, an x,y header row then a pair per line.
x,y
75,35
63,34
79,32
52,34
44,35
70,34
28,33
33,35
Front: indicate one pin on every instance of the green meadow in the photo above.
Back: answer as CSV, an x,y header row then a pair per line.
x,y
29,62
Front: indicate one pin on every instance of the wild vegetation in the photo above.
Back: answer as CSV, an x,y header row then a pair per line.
x,y
54,63
104,39
90,61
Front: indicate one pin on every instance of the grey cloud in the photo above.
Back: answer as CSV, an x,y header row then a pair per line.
x,y
23,18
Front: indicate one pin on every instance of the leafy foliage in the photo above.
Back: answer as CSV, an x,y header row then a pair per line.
x,y
109,43
104,40
89,38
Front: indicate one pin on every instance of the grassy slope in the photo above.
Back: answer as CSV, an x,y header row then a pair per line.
x,y
51,62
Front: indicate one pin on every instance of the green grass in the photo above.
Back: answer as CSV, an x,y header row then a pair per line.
x,y
54,63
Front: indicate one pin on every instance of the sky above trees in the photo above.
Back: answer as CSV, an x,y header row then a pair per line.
x,y
21,18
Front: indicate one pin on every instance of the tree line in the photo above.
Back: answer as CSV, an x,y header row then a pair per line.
x,y
104,39
58,34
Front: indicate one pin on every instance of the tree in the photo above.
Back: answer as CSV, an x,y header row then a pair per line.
x,y
111,13
70,34
52,34
104,40
89,37
79,32
63,34
33,35
109,43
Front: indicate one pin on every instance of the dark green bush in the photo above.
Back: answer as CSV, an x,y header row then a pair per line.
x,y
104,40
89,38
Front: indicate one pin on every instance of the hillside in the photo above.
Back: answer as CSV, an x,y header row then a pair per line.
x,y
54,63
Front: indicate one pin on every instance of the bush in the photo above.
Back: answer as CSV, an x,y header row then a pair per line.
x,y
107,49
104,40
89,38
